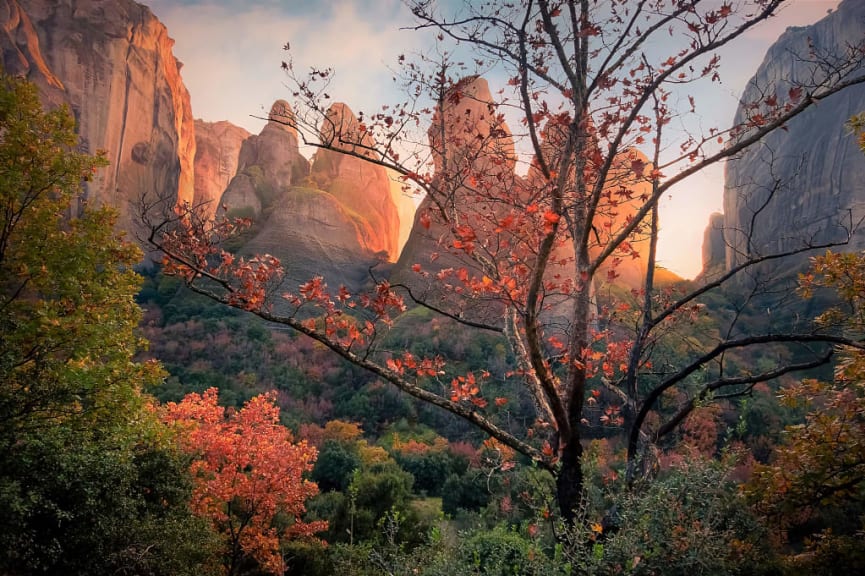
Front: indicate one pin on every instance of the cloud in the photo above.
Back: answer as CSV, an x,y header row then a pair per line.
x,y
232,51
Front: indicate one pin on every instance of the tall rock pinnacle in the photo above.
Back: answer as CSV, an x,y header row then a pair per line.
x,y
359,185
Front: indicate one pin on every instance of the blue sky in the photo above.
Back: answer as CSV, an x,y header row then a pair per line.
x,y
232,50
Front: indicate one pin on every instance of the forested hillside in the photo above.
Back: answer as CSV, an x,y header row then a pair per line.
x,y
256,376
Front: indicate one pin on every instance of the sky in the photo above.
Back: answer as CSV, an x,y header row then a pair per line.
x,y
232,51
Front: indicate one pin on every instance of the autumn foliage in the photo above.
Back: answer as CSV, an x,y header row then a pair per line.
x,y
527,231
818,474
248,474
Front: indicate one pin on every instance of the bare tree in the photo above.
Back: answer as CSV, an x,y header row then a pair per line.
x,y
526,228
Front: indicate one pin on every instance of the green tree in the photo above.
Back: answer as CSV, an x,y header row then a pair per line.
x,y
374,492
67,313
80,487
334,467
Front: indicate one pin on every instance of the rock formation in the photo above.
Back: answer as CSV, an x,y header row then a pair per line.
x,y
480,145
803,184
360,186
217,152
111,62
714,248
404,200
269,163
621,199
335,220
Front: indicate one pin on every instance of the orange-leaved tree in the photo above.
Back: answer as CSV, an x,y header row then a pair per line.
x,y
521,230
248,475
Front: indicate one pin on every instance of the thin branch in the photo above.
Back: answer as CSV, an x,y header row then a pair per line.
x,y
720,383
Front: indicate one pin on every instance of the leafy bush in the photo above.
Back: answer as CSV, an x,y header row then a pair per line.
x,y
690,521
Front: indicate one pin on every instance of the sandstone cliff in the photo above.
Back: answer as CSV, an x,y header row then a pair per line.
x,y
804,184
217,152
111,62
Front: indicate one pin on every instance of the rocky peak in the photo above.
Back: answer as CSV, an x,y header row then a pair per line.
x,y
341,130
334,219
111,62
360,186
282,116
479,142
474,131
268,164
468,136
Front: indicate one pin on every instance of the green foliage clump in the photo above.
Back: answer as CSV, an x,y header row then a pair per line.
x,y
374,492
692,520
335,466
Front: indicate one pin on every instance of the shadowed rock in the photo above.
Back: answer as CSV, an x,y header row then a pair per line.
x,y
217,152
810,175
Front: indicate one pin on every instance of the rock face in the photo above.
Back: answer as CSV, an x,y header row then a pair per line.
x,y
314,235
360,186
217,152
813,171
335,220
111,62
714,248
405,208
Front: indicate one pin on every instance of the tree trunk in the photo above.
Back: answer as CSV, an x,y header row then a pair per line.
x,y
569,482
